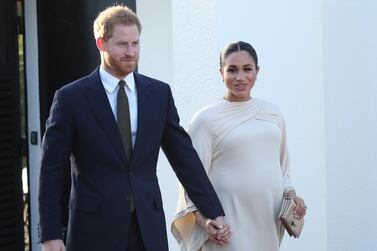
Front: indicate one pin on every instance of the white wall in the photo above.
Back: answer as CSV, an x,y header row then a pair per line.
x,y
156,60
187,60
156,55
288,38
350,53
318,59
195,61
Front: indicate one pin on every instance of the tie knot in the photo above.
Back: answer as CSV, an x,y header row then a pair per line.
x,y
122,83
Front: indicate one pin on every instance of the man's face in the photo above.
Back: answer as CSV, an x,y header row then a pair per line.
x,y
121,51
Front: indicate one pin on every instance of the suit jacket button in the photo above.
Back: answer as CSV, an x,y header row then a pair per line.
x,y
127,198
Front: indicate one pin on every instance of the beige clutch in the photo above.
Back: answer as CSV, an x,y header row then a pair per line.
x,y
291,224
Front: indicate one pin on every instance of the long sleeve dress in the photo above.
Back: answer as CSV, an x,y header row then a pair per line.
x,y
242,146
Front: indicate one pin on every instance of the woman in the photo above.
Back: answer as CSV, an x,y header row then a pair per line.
x,y
242,144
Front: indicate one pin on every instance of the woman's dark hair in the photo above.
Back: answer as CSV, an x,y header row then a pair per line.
x,y
238,46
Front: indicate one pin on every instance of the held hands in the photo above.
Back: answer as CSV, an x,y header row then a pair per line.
x,y
217,230
53,245
220,232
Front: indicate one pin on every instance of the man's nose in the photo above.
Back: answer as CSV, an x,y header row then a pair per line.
x,y
130,51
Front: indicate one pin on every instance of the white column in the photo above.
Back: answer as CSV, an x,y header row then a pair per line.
x,y
178,46
350,51
156,39
156,60
194,63
32,83
195,56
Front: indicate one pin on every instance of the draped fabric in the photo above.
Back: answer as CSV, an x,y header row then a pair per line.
x,y
243,148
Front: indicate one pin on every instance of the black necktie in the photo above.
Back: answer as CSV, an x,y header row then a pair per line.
x,y
124,126
123,119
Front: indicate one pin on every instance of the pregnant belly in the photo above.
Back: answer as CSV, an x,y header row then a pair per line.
x,y
247,180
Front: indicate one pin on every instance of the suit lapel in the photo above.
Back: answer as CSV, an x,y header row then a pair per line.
x,y
144,108
100,106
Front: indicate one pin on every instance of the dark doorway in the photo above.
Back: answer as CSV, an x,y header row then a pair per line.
x,y
67,51
11,134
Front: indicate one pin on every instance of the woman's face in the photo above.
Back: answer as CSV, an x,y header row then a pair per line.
x,y
239,73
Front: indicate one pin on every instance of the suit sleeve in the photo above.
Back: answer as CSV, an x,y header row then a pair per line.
x,y
178,149
56,149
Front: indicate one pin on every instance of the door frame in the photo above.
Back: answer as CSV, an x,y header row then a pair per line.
x,y
33,114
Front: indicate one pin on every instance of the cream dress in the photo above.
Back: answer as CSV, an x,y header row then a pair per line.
x,y
242,146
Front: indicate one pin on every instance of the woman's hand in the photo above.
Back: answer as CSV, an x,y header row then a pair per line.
x,y
300,209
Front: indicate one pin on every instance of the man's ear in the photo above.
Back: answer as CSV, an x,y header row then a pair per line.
x,y
101,44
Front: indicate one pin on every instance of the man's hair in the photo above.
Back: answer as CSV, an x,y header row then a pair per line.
x,y
117,14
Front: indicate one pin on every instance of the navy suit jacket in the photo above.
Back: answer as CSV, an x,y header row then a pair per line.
x,y
81,127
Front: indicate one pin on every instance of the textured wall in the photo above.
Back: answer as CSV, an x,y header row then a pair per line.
x,y
195,75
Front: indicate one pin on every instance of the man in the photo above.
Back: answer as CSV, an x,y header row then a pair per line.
x,y
111,125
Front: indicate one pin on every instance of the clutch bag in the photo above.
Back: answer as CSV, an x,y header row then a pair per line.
x,y
291,224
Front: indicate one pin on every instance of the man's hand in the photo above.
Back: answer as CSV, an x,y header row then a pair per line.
x,y
53,245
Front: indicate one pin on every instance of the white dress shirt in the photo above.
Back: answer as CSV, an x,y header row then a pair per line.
x,y
110,83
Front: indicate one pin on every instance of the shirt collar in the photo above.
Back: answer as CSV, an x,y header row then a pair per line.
x,y
110,82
